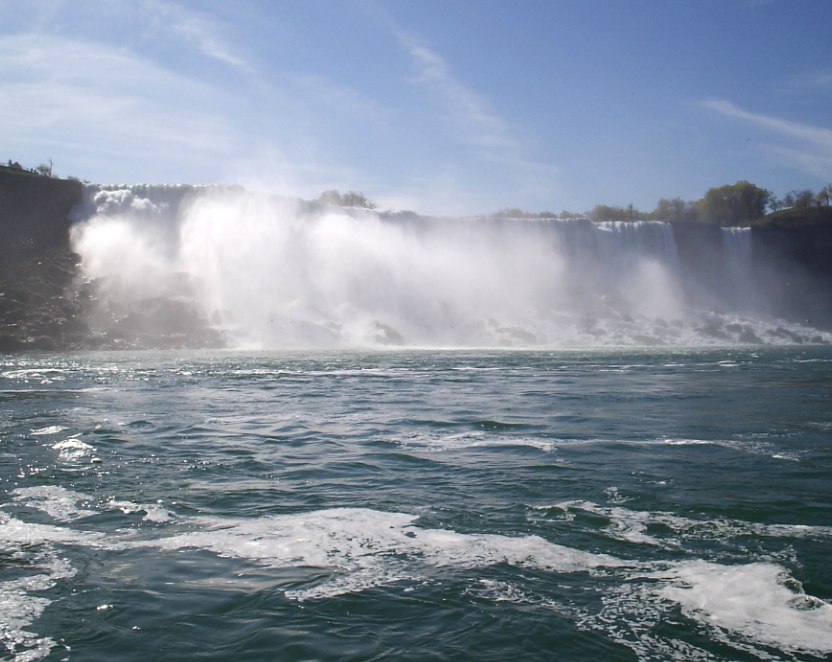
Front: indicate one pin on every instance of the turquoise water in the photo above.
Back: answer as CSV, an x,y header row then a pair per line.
x,y
417,505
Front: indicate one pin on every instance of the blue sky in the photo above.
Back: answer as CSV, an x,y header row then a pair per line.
x,y
440,106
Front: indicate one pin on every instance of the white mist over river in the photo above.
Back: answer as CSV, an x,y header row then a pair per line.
x,y
271,272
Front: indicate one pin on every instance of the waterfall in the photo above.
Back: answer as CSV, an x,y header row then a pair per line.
x,y
737,247
259,270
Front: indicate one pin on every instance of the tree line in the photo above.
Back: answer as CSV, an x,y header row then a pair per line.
x,y
348,199
734,204
43,170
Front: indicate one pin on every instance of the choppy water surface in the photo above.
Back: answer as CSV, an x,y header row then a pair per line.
x,y
592,505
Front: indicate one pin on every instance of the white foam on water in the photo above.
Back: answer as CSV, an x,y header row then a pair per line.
x,y
503,591
625,524
782,456
474,440
631,525
51,429
755,447
154,512
756,608
820,425
19,608
32,373
57,502
73,450
358,372
630,616
614,495
765,448
15,533
60,504
748,606
369,548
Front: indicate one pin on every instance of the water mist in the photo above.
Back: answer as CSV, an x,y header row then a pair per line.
x,y
271,272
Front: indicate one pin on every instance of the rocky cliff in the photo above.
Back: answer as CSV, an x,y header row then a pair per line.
x,y
38,307
34,210
47,304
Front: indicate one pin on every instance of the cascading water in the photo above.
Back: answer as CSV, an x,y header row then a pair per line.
x,y
736,245
213,265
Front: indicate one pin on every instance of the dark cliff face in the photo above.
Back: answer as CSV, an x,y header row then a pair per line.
x,y
38,310
34,210
791,267
699,247
44,302
794,266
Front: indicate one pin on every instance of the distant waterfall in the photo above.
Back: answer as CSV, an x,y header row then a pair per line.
x,y
737,247
612,249
174,263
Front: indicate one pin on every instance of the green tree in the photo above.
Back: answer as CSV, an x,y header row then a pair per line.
x,y
801,198
674,210
602,213
616,213
353,199
511,212
349,199
733,204
775,203
330,197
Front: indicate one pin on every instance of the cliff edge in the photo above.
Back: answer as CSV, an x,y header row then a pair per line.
x,y
38,309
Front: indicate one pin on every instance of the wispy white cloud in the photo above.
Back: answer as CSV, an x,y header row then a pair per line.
x,y
810,148
120,89
113,100
197,29
105,100
470,113
818,136
815,163
812,81
474,123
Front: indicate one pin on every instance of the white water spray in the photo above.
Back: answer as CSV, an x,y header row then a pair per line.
x,y
272,272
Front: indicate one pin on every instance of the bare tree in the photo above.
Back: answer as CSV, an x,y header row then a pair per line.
x,y
45,170
824,195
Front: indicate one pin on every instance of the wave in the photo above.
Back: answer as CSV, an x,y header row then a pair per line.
x,y
754,607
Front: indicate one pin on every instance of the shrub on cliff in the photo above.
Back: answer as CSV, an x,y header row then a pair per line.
x,y
735,204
